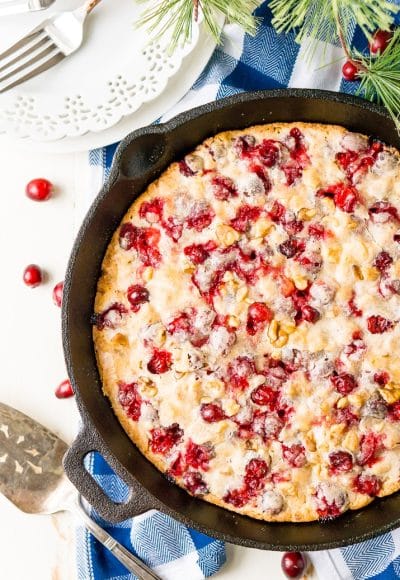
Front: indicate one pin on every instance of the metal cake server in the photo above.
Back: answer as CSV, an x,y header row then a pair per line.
x,y
32,478
21,6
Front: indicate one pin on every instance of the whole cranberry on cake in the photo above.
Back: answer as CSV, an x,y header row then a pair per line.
x,y
247,321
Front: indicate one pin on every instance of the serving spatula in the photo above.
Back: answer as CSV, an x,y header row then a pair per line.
x,y
33,479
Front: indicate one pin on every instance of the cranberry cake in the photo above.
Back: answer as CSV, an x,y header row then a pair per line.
x,y
247,321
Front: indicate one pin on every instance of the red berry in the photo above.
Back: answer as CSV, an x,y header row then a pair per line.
x,y
343,383
246,215
258,315
379,41
137,295
160,362
368,484
39,189
309,314
64,390
239,371
130,400
370,448
340,462
198,456
211,412
110,318
350,71
378,324
293,564
58,294
32,276
223,187
256,472
164,438
265,396
295,454
194,483
383,261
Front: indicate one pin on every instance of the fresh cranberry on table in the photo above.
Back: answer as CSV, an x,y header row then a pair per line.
x,y
379,41
350,71
58,294
39,189
32,276
64,390
293,564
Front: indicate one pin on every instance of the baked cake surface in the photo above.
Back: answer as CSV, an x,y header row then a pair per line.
x,y
247,321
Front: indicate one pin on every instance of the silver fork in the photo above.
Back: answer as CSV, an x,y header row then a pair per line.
x,y
47,45
20,6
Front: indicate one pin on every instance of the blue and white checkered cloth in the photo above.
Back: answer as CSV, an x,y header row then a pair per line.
x,y
243,63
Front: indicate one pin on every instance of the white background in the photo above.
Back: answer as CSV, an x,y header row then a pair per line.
x,y
31,358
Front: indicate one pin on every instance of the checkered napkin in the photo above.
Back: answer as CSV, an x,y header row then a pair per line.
x,y
243,63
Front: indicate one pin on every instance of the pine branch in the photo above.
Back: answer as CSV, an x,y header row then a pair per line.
x,y
317,19
380,77
180,16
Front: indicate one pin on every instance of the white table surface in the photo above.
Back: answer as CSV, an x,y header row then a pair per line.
x,y
32,364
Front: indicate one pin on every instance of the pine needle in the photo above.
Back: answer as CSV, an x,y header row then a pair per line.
x,y
180,15
319,19
380,78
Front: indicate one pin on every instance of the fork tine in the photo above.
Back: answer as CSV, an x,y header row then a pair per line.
x,y
38,57
27,52
21,43
36,71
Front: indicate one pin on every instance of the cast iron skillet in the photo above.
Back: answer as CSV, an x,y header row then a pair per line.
x,y
140,158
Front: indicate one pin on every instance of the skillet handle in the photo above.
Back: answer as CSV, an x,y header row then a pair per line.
x,y
139,500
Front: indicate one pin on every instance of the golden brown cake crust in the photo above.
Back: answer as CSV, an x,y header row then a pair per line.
x,y
246,321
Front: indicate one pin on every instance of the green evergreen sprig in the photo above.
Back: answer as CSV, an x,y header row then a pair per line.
x,y
380,77
180,15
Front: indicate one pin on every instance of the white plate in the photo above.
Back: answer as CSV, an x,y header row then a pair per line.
x,y
89,99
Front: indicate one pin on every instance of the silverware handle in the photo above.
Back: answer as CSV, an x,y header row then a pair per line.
x,y
128,560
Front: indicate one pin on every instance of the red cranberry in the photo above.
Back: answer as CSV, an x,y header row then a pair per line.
x,y
223,187
211,412
394,411
258,315
39,189
370,447
265,396
293,564
32,276
245,217
146,245
239,371
309,314
177,467
111,317
137,295
383,261
340,462
237,497
64,390
367,484
201,219
382,211
152,210
344,383
317,231
163,439
291,247
379,324
295,454
345,416
255,474
160,362
379,41
277,212
382,378
194,483
185,169
355,311
198,253
269,152
344,196
130,400
197,456
350,71
127,236
58,294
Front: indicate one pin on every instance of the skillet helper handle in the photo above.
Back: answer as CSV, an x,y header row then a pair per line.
x,y
127,559
139,500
